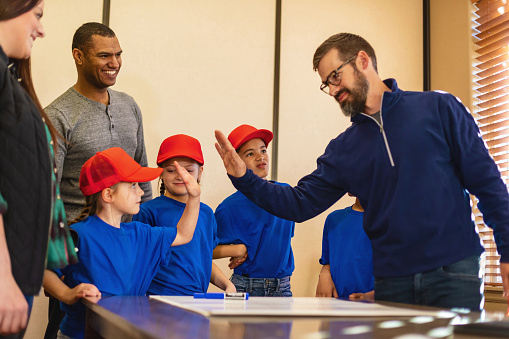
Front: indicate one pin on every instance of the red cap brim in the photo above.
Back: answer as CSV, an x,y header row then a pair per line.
x,y
263,134
144,174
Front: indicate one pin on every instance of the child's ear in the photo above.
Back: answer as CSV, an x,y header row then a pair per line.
x,y
107,194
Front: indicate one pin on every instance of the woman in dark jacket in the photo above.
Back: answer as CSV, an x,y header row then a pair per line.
x,y
30,209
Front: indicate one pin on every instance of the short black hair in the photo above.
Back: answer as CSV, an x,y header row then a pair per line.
x,y
82,39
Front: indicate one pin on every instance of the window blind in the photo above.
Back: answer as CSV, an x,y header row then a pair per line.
x,y
490,30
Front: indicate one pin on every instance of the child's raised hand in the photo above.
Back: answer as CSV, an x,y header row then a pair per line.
x,y
231,160
193,189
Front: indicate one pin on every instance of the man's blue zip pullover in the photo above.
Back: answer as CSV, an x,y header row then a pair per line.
x,y
412,173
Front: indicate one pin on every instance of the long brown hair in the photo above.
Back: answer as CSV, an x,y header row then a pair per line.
x,y
13,8
90,208
10,9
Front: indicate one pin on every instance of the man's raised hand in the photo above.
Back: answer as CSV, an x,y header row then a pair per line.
x,y
231,160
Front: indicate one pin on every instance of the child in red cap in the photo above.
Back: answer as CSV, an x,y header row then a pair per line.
x,y
116,258
269,263
190,268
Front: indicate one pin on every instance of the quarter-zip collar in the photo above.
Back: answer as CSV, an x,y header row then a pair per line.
x,y
389,99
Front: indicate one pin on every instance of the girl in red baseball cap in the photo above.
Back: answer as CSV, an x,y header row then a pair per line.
x,y
190,268
117,258
269,263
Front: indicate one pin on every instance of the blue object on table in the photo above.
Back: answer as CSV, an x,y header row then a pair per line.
x,y
227,296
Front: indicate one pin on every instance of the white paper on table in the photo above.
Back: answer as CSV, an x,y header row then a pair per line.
x,y
296,306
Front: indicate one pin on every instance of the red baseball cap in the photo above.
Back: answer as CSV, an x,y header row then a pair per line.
x,y
244,133
112,166
180,145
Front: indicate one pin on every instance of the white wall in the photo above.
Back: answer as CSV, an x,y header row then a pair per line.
x,y
195,66
52,64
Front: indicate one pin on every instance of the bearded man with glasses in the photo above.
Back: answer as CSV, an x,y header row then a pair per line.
x,y
412,159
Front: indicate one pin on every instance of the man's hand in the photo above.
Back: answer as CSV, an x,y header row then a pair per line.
x,y
325,287
231,160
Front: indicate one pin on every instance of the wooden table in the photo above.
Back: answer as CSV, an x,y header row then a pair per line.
x,y
141,317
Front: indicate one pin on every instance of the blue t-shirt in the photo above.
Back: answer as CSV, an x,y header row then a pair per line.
x,y
118,261
266,237
190,266
347,249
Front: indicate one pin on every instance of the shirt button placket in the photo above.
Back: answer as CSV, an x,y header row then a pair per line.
x,y
112,125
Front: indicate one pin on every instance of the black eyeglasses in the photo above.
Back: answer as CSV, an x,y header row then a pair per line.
x,y
334,78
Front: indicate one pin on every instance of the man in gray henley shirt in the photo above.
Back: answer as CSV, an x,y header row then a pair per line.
x,y
91,117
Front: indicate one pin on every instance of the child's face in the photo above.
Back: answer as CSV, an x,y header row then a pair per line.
x,y
127,197
254,154
173,183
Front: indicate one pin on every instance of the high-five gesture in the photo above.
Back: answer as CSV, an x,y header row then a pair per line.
x,y
192,186
231,160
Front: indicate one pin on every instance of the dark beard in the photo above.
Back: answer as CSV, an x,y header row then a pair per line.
x,y
356,100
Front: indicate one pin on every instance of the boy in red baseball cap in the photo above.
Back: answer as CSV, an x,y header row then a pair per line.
x,y
116,258
190,268
269,264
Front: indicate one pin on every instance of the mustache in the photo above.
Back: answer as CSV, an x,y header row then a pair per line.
x,y
344,90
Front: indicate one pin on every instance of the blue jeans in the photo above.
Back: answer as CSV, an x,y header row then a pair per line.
x,y
263,287
457,285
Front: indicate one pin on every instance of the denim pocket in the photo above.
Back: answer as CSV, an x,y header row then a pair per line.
x,y
464,269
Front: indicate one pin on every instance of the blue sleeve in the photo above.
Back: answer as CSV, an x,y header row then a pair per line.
x,y
313,194
144,216
61,272
214,230
169,235
325,260
225,230
477,169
